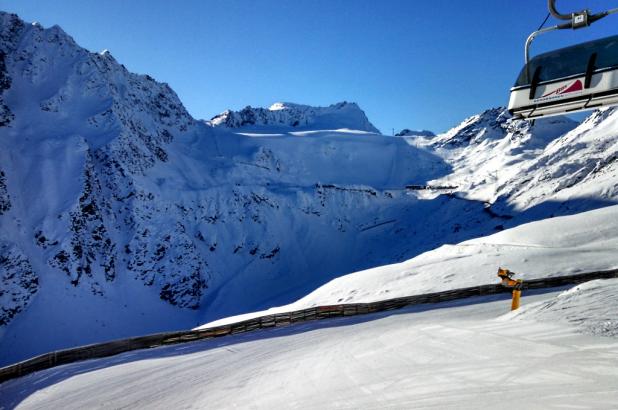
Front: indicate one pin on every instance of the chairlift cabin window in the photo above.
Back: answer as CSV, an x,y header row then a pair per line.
x,y
571,61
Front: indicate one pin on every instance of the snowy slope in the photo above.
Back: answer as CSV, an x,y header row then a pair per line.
x,y
578,167
586,242
464,356
343,115
589,307
488,149
552,167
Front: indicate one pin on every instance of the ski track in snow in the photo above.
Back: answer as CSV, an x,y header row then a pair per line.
x,y
465,355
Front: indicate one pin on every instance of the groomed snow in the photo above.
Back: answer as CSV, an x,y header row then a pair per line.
x,y
466,356
591,307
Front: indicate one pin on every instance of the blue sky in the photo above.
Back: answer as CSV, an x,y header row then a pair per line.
x,y
407,63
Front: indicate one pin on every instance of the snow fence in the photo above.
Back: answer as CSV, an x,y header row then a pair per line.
x,y
98,350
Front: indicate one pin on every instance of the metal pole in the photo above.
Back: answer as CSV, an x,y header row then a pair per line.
x,y
532,37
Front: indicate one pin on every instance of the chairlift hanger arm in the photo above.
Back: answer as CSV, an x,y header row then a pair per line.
x,y
576,20
570,86
533,35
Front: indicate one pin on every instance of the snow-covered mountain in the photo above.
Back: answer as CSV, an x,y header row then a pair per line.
x,y
587,242
414,133
128,216
487,149
577,171
553,166
560,167
343,115
120,214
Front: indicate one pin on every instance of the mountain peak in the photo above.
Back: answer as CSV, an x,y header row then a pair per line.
x,y
298,116
494,124
406,132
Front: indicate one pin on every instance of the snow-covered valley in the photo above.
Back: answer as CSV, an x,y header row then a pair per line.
x,y
121,215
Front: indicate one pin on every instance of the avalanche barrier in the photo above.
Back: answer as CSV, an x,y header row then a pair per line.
x,y
99,350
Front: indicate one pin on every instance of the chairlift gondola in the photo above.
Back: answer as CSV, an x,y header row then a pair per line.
x,y
571,79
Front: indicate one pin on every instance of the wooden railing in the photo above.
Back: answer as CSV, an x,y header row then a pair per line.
x,y
98,350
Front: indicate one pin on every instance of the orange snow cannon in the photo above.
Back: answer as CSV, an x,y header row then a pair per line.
x,y
507,281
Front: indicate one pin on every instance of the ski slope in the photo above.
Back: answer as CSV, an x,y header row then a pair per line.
x,y
590,307
467,355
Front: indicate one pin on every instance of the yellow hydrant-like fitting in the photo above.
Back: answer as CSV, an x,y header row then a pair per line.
x,y
508,281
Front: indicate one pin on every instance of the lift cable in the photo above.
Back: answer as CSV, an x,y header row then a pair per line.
x,y
544,21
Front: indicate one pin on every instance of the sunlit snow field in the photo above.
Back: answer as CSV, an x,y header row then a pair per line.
x,y
462,355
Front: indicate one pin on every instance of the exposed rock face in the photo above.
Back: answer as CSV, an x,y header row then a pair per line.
x,y
574,171
11,25
5,199
90,252
289,115
5,83
413,133
109,126
18,280
492,123
495,124
553,166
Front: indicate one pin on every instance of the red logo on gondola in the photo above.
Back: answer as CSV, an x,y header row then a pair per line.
x,y
565,89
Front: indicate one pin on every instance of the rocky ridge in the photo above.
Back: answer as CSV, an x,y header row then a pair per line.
x,y
297,116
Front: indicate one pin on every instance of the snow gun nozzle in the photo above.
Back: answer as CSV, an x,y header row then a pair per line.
x,y
505,273
507,278
507,281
